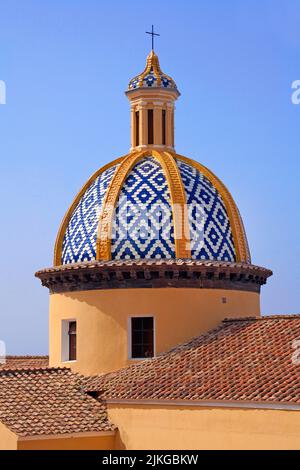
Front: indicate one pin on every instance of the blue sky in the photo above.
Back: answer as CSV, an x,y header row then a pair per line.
x,y
66,65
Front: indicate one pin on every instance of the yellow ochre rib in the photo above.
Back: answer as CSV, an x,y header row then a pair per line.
x,y
178,202
152,61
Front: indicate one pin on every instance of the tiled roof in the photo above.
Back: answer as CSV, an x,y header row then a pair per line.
x,y
149,262
24,362
152,76
48,401
243,359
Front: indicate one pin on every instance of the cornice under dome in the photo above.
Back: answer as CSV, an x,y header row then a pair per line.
x,y
154,274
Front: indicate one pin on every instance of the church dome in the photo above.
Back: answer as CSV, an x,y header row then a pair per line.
x,y
152,205
152,76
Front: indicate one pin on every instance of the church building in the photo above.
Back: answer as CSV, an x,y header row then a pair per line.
x,y
156,339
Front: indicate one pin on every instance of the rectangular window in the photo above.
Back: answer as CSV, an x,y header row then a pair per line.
x,y
137,128
150,127
142,337
72,340
69,340
164,127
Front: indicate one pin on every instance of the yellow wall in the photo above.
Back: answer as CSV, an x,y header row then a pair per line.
x,y
143,427
8,440
179,427
79,443
102,320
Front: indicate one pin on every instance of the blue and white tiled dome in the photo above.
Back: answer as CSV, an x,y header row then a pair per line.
x,y
79,242
152,76
211,232
143,226
143,223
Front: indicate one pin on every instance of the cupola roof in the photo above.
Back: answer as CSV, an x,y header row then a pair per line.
x,y
152,76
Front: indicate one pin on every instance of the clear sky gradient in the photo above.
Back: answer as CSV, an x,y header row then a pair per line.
x,y
66,65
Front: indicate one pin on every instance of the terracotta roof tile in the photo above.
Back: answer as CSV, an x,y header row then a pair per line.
x,y
243,359
24,362
150,262
49,401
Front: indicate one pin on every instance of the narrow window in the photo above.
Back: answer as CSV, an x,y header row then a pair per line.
x,y
137,128
142,337
164,127
150,127
72,340
173,129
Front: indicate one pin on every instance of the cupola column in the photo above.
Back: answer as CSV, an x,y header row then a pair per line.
x,y
170,125
133,127
143,124
158,123
152,120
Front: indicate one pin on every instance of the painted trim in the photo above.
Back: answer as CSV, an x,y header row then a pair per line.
x,y
151,93
69,213
106,217
178,199
207,404
75,435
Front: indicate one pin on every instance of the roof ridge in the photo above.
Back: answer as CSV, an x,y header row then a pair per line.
x,y
262,318
9,356
33,369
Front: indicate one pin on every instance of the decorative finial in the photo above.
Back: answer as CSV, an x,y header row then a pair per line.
x,y
152,34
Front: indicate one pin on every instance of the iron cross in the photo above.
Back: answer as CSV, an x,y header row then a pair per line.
x,y
152,34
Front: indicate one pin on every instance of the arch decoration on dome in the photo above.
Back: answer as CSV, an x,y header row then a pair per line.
x,y
177,196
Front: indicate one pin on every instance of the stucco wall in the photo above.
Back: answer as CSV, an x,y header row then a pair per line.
x,y
80,443
102,320
143,427
8,440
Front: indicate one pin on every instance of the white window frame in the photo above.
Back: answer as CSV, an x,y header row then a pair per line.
x,y
65,352
130,338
